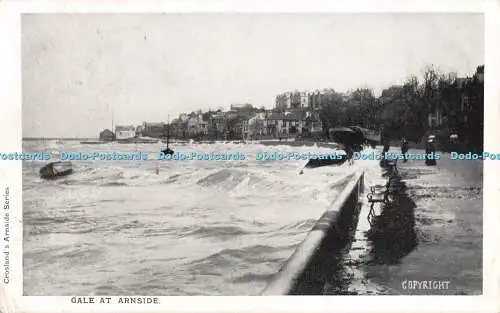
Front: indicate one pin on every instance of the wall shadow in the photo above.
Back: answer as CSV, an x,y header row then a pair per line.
x,y
392,235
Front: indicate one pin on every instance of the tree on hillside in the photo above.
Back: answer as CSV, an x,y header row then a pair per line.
x,y
206,116
231,126
429,91
394,105
415,116
362,107
332,112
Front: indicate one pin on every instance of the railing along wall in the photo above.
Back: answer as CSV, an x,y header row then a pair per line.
x,y
312,264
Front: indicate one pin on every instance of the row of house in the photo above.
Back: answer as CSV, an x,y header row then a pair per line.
x,y
246,122
302,100
282,124
126,132
240,122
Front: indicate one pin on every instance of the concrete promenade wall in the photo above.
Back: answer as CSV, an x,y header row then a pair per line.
x,y
311,265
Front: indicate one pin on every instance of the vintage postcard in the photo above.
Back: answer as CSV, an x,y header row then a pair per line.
x,y
249,156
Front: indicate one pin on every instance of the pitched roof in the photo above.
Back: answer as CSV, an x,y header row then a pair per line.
x,y
240,106
154,124
290,117
313,118
275,116
124,127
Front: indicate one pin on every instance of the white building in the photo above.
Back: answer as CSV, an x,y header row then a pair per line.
x,y
203,127
255,127
125,132
197,126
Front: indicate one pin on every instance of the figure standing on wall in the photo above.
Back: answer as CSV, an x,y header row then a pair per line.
x,y
430,152
404,148
383,162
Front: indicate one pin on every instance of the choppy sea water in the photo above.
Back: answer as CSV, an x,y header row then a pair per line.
x,y
195,228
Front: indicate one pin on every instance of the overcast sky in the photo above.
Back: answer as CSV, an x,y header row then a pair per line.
x,y
78,69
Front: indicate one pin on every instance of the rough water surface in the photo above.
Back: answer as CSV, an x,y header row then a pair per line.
x,y
195,228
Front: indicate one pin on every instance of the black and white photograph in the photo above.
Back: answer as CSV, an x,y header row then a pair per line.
x,y
253,154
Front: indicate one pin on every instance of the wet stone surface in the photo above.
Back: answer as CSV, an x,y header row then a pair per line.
x,y
432,232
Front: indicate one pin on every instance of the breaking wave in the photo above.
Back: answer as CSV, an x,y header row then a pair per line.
x,y
169,227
